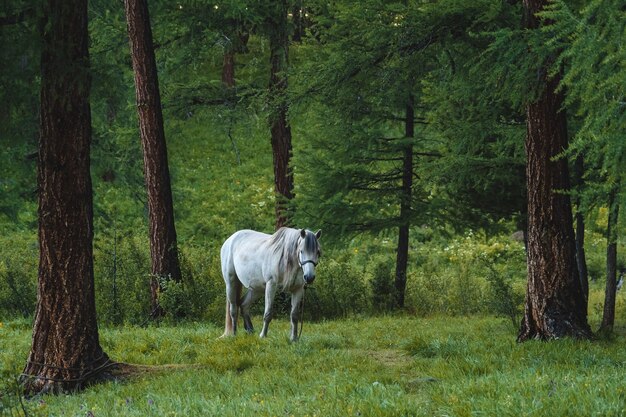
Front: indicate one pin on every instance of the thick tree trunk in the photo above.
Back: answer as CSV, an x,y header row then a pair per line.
x,y
163,246
555,303
279,126
65,352
402,256
608,316
581,259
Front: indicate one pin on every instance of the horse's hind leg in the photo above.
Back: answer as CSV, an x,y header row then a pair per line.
x,y
233,289
250,297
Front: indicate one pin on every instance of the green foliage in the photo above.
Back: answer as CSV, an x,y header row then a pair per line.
x,y
592,55
200,295
340,290
19,100
122,279
467,276
503,299
357,89
18,275
591,39
383,288
12,401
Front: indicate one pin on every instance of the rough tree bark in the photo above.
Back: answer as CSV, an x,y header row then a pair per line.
x,y
402,256
608,314
279,126
65,352
555,303
163,246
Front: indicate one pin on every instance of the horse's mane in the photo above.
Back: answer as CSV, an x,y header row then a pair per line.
x,y
284,245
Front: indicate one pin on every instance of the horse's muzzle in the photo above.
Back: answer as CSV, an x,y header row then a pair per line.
x,y
308,279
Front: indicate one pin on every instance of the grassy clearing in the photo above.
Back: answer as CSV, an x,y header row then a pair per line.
x,y
461,366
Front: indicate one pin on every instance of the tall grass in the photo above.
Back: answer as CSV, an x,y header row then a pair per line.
x,y
387,366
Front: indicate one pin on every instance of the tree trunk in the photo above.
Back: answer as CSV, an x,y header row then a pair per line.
x,y
228,68
608,316
163,246
65,352
402,256
581,259
237,43
555,304
297,21
279,126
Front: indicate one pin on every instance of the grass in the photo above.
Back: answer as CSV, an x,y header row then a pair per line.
x,y
389,366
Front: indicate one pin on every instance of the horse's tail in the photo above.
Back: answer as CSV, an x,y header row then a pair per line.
x,y
228,327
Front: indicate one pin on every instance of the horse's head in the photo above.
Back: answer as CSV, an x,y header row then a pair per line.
x,y
309,253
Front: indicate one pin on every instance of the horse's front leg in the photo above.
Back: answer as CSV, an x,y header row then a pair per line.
x,y
296,300
270,292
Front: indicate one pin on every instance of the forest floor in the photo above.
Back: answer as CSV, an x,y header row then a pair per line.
x,y
385,366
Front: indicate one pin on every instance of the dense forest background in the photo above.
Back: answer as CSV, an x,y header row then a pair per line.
x,y
375,90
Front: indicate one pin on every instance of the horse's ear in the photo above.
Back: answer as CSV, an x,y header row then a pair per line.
x,y
302,233
318,234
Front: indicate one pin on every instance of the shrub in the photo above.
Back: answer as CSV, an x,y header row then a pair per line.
x,y
122,280
200,294
18,276
383,289
503,300
467,276
339,291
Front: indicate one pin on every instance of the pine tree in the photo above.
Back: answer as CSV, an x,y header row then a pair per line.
x,y
65,352
280,129
163,245
592,54
555,305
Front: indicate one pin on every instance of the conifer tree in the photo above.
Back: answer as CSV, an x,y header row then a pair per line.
x,y
280,129
555,306
65,352
594,72
163,245
372,60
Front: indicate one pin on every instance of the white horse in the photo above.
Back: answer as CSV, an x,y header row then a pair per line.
x,y
263,264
